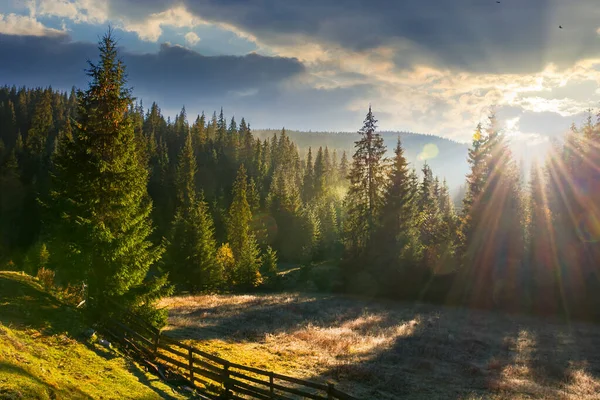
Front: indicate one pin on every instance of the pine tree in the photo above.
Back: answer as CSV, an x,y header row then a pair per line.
x,y
191,254
253,196
99,193
221,129
241,238
199,134
398,246
12,196
367,183
269,267
41,126
493,256
309,179
344,168
320,175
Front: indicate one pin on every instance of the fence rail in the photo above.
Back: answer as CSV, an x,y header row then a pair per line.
x,y
217,377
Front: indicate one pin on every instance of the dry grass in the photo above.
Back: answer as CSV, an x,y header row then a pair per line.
x,y
387,350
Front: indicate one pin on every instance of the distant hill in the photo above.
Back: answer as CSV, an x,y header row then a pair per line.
x,y
447,158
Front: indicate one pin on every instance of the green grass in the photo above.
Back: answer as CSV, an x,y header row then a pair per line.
x,y
378,349
44,355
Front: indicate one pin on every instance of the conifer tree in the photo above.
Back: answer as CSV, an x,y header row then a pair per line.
x,y
99,194
493,257
12,195
191,254
309,179
221,128
398,246
269,267
344,167
367,183
241,238
320,175
41,127
199,135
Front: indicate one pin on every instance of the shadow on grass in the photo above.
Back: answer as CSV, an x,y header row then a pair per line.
x,y
149,382
53,392
475,356
266,315
24,304
451,353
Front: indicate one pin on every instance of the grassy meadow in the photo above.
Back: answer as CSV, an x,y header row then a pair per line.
x,y
375,349
44,355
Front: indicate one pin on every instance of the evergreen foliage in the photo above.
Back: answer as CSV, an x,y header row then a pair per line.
x,y
99,194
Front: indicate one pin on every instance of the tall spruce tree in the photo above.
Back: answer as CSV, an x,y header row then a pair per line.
x,y
241,238
493,222
367,184
398,246
99,195
191,254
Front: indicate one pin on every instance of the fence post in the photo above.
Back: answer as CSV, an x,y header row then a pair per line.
x,y
330,391
226,380
271,388
156,342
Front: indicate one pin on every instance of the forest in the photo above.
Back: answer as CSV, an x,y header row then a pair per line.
x,y
116,203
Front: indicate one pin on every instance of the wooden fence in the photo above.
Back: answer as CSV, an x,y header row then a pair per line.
x,y
216,378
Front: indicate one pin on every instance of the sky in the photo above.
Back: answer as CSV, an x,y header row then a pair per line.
x,y
428,66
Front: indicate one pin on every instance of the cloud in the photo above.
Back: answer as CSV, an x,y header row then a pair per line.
x,y
13,24
191,38
468,35
548,123
79,11
173,76
437,66
150,29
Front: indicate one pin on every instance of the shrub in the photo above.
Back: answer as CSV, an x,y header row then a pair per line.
x,y
46,277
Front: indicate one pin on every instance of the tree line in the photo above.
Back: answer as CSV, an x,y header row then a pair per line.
x,y
134,205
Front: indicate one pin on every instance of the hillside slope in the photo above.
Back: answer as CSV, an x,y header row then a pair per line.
x,y
43,354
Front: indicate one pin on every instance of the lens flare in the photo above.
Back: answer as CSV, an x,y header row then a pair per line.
x,y
588,227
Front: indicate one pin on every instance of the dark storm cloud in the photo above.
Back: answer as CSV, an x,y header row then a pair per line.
x,y
172,73
514,36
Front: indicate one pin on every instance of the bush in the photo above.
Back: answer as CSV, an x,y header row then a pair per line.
x,y
46,277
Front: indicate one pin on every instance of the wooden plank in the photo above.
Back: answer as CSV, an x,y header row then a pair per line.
x,y
249,378
211,357
201,353
145,341
172,361
171,350
298,392
207,365
204,381
248,392
213,372
250,369
175,342
208,374
302,382
191,363
248,386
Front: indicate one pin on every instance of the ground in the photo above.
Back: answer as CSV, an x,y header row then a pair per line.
x,y
44,353
388,350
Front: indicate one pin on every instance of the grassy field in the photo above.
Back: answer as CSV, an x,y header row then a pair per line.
x,y
388,350
43,354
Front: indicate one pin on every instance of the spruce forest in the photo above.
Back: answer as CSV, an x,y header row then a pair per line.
x,y
126,205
